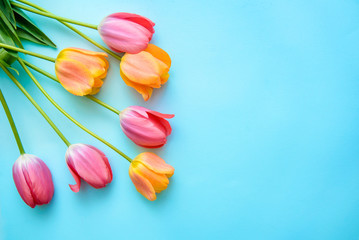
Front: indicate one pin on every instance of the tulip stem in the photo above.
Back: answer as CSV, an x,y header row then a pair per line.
x,y
18,84
68,115
27,52
50,15
118,57
12,123
96,100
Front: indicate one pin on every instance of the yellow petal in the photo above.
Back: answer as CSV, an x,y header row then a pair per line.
x,y
74,76
164,78
155,163
141,68
159,53
95,62
142,185
159,181
145,91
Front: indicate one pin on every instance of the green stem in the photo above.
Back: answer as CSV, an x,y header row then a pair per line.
x,y
98,101
68,115
18,84
12,123
118,57
27,52
50,15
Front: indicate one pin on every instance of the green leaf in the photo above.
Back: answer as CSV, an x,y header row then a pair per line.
x,y
9,66
23,34
5,7
6,56
29,30
6,25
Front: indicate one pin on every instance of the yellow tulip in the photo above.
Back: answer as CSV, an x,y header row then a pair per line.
x,y
149,173
80,71
146,70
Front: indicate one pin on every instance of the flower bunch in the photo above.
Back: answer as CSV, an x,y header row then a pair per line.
x,y
143,66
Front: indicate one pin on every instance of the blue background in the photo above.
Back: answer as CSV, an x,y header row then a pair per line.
x,y
265,138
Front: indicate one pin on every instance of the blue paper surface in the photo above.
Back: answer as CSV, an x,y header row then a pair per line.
x,y
265,137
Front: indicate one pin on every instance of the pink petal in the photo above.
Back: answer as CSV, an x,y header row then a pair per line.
x,y
74,187
143,21
40,182
22,186
163,122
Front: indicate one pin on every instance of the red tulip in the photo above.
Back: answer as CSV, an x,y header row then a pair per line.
x,y
126,32
145,127
33,180
90,164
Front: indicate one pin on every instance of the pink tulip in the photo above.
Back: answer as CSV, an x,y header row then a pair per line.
x,y
145,127
33,180
88,163
126,32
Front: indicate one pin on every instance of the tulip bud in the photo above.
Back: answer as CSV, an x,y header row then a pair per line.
x,y
145,127
146,70
90,164
33,180
126,32
81,71
149,173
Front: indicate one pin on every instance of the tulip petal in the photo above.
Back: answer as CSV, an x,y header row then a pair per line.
x,y
160,115
126,32
142,185
164,78
84,51
163,122
39,179
95,62
97,82
159,53
159,181
74,76
75,187
105,160
89,164
22,186
124,36
144,132
143,21
146,92
155,163
142,68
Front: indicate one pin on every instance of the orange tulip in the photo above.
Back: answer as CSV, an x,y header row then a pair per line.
x,y
81,71
146,70
149,173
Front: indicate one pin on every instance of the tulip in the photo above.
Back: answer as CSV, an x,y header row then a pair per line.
x,y
149,173
145,127
33,180
126,32
146,70
88,163
81,71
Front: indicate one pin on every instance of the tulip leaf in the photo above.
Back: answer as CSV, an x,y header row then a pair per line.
x,y
6,8
6,56
29,31
8,66
23,34
7,26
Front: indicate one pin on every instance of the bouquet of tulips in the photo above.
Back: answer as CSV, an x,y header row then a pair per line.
x,y
81,72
